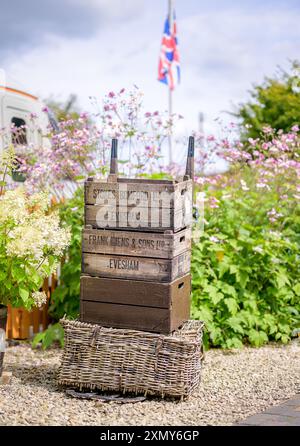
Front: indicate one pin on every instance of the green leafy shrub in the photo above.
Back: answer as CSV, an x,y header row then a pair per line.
x,y
245,268
275,102
65,298
54,333
32,243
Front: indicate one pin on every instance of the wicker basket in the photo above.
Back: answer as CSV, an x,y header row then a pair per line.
x,y
113,359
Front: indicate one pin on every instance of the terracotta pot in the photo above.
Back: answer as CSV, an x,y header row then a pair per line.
x,y
3,319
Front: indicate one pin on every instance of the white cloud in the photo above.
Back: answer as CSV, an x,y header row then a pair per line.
x,y
114,9
25,25
222,54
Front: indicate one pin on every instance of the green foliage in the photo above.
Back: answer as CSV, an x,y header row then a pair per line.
x,y
245,269
31,244
156,176
7,163
275,103
65,299
54,333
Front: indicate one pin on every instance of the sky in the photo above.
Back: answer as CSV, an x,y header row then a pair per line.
x,y
90,47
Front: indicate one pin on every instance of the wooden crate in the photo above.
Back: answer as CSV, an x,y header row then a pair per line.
x,y
160,245
136,250
136,268
153,307
138,192
140,204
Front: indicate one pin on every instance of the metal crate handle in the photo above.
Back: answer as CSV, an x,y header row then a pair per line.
x,y
189,171
113,171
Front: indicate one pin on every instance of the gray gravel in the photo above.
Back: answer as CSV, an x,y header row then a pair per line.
x,y
234,385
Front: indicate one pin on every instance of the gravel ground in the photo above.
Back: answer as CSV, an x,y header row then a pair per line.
x,y
234,385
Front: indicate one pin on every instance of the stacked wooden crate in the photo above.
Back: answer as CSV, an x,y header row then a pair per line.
x,y
136,248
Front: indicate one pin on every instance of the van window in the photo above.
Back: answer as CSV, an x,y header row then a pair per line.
x,y
19,136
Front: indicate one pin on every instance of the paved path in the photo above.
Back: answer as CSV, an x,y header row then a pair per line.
x,y
286,414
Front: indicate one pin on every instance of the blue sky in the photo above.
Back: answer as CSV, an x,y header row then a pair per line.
x,y
89,47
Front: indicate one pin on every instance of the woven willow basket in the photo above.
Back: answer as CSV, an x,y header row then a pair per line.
x,y
122,360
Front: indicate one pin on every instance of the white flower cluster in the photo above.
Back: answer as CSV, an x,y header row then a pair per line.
x,y
25,241
39,297
35,234
13,207
55,238
16,206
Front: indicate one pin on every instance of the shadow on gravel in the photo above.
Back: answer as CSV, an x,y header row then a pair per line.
x,y
45,376
41,376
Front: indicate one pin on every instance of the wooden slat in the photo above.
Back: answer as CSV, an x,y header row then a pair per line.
x,y
106,241
143,193
125,316
45,316
133,292
19,320
20,323
9,323
36,320
138,268
146,181
44,313
137,219
158,320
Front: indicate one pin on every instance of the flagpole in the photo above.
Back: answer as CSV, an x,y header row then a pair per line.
x,y
170,91
170,136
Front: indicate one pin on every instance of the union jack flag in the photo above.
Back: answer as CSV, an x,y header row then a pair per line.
x,y
169,67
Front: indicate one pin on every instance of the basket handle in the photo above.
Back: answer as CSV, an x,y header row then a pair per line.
x,y
113,171
189,171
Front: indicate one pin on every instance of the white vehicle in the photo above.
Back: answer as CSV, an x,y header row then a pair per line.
x,y
17,108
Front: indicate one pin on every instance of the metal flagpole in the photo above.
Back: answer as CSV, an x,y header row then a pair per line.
x,y
170,91
170,136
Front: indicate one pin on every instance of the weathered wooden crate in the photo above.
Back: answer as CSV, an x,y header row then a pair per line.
x,y
159,245
153,307
140,204
136,268
139,192
144,215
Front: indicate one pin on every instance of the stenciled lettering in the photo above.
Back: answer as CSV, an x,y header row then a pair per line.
x,y
101,240
130,265
119,241
144,243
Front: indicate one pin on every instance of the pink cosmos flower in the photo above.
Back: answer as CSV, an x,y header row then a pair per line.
x,y
252,141
267,130
214,239
210,138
